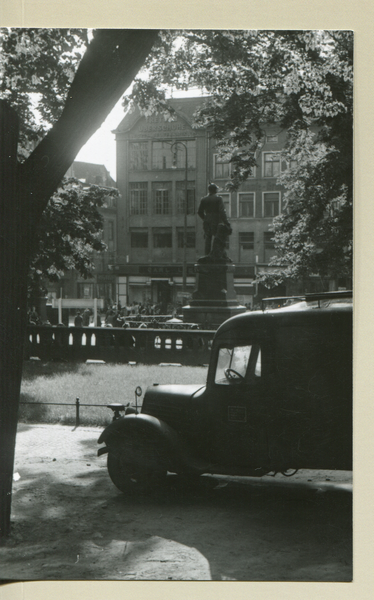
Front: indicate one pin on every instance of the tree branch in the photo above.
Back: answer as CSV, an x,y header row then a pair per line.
x,y
108,67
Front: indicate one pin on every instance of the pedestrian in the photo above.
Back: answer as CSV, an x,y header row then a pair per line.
x,y
34,317
78,321
212,212
109,317
117,320
86,317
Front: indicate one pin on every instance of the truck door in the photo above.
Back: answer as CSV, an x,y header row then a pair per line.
x,y
239,433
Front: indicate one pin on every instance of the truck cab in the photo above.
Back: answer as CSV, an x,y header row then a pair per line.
x,y
278,397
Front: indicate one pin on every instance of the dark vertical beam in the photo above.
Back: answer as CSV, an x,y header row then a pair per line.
x,y
13,290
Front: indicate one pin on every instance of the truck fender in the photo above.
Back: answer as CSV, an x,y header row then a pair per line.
x,y
178,455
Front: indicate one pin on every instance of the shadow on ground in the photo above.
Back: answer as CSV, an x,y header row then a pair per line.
x,y
70,522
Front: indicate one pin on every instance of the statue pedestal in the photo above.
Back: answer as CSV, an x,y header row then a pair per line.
x,y
214,300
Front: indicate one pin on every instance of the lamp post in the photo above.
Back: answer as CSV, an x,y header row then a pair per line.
x,y
175,147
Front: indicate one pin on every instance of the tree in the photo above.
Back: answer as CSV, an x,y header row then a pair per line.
x,y
37,67
301,81
69,232
108,66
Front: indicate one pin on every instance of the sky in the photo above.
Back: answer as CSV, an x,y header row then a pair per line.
x,y
101,147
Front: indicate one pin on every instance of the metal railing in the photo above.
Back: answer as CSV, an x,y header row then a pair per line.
x,y
77,404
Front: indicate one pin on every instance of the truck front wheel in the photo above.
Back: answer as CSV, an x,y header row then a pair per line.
x,y
136,469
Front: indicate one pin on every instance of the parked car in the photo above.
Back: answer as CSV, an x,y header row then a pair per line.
x,y
278,397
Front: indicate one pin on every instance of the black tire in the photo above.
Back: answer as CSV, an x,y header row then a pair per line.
x,y
137,464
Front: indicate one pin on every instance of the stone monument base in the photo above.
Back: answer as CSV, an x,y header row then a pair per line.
x,y
214,300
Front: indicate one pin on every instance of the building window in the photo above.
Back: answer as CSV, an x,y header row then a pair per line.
x,y
110,202
110,231
161,155
181,195
271,164
246,246
271,204
139,238
179,155
190,240
167,156
85,290
221,168
269,245
227,203
138,156
162,239
246,240
246,204
161,203
138,198
106,291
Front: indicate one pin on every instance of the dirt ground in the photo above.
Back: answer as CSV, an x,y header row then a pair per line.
x,y
69,522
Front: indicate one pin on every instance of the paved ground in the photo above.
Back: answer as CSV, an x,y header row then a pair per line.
x,y
70,522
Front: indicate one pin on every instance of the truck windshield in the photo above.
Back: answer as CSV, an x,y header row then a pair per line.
x,y
238,363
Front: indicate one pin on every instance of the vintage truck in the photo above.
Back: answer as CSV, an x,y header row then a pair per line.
x,y
278,398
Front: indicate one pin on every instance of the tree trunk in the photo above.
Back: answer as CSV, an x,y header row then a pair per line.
x,y
13,287
108,67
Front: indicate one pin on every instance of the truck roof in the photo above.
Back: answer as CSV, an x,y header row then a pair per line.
x,y
312,308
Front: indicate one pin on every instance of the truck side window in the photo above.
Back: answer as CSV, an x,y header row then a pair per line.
x,y
238,363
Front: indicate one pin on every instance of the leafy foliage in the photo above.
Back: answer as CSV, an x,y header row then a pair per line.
x,y
299,81
76,233
36,69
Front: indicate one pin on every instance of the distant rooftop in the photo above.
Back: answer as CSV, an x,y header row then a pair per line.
x,y
185,107
91,173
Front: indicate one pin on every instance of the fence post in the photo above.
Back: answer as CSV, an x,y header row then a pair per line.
x,y
77,412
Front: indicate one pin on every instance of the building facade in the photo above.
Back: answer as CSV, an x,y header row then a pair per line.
x,y
103,283
151,178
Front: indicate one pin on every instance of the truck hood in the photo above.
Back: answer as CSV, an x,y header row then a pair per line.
x,y
171,403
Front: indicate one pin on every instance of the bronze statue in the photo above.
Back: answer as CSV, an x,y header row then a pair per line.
x,y
216,225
